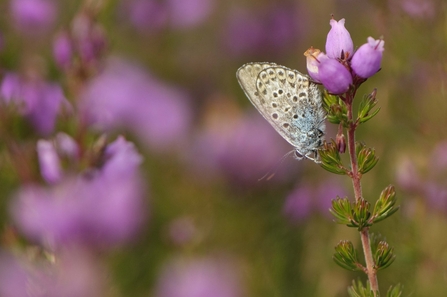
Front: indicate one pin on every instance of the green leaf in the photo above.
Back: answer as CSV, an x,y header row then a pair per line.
x,y
346,256
395,291
385,205
358,290
383,255
366,105
330,158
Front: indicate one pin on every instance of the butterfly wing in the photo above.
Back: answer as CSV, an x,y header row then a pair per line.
x,y
287,100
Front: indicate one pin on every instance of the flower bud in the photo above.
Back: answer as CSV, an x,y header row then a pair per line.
x,y
366,60
63,50
334,76
313,59
341,142
338,40
49,162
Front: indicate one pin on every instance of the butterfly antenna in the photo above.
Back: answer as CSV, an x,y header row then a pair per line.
x,y
269,175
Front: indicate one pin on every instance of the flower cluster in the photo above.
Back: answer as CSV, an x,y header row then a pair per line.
x,y
341,67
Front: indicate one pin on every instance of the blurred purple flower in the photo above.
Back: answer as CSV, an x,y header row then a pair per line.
x,y
40,102
63,50
49,163
199,278
125,96
326,192
74,274
88,38
146,14
436,195
33,16
189,13
419,8
104,208
334,76
366,60
152,15
243,151
406,175
338,40
304,200
298,204
270,30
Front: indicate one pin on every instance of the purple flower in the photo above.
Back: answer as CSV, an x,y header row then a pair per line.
x,y
436,195
313,59
199,278
326,192
38,101
338,40
49,163
419,9
104,208
146,14
366,60
125,96
334,76
150,15
298,204
63,49
270,30
189,13
74,274
88,38
243,151
33,16
406,175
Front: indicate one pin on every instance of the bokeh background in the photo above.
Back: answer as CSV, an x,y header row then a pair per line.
x,y
162,74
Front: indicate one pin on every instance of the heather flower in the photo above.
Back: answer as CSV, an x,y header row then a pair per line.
x,y
74,274
40,102
338,40
103,208
271,30
198,278
298,204
234,150
125,96
334,76
63,50
49,163
152,15
325,193
304,200
313,59
33,16
366,60
145,15
88,37
189,13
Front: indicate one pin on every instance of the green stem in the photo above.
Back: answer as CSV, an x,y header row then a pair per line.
x,y
356,177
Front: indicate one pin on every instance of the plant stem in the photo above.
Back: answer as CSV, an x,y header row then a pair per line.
x,y
356,176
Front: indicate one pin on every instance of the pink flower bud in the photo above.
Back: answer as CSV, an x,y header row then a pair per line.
x,y
313,59
338,40
366,60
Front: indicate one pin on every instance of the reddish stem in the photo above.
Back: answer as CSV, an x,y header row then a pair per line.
x,y
356,177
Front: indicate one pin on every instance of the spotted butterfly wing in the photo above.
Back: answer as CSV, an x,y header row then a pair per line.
x,y
289,101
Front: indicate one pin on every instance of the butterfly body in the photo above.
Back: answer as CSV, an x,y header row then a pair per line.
x,y
289,101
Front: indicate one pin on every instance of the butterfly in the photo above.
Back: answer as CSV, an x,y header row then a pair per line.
x,y
290,102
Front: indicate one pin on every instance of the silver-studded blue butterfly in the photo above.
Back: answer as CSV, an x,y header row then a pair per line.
x,y
290,102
